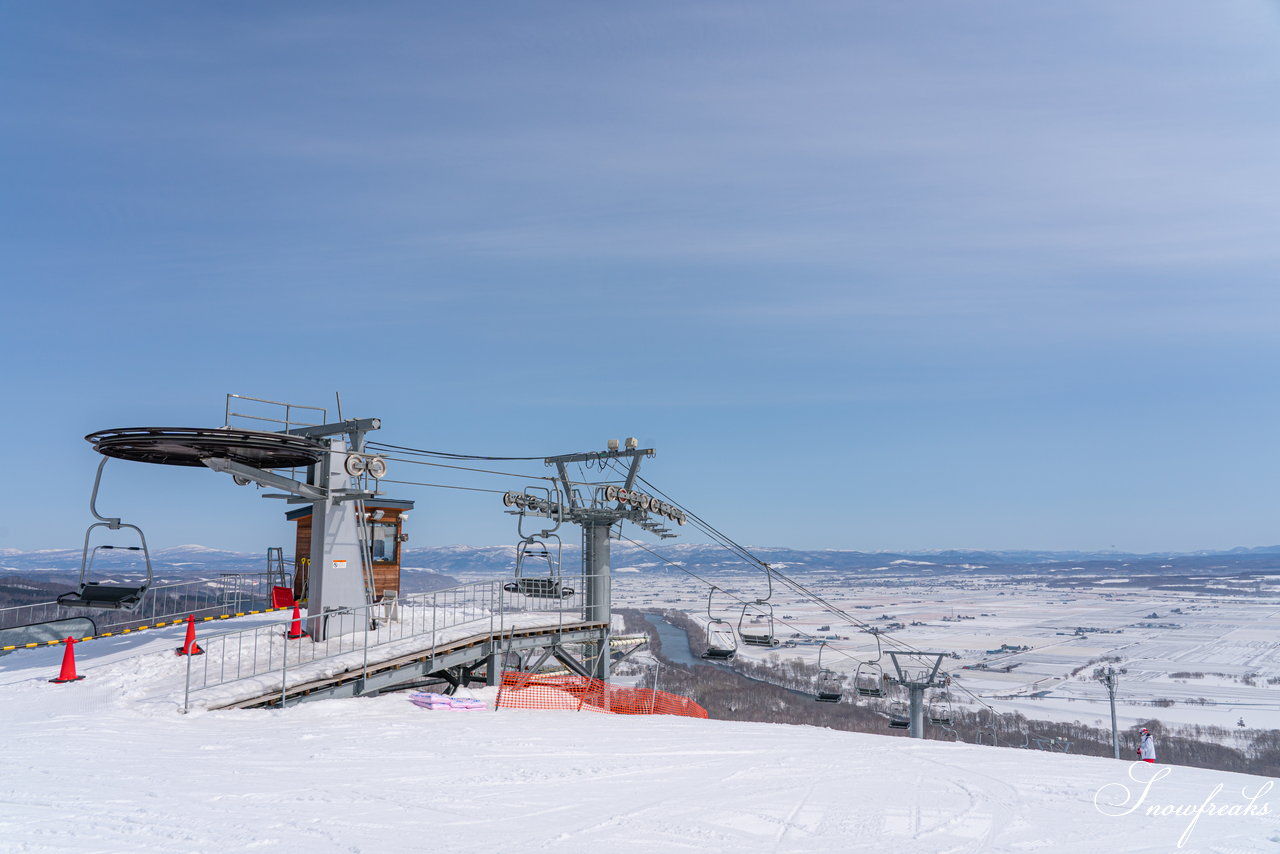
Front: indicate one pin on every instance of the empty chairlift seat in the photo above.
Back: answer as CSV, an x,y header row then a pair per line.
x,y
532,553
829,688
722,643
868,680
758,632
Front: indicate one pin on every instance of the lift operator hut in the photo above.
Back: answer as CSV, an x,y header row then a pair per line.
x,y
386,518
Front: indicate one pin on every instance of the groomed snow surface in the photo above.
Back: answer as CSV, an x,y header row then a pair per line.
x,y
102,766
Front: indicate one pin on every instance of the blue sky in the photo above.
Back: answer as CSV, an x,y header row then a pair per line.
x,y
869,275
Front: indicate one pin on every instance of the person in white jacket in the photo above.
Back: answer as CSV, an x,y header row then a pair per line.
x,y
1147,749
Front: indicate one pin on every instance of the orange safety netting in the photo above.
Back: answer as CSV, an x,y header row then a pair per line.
x,y
576,693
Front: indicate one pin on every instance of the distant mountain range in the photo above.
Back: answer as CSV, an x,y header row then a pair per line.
x,y
187,560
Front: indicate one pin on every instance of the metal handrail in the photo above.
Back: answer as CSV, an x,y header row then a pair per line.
x,y
288,412
227,593
354,632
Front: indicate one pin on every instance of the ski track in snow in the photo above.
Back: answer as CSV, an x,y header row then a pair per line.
x,y
108,765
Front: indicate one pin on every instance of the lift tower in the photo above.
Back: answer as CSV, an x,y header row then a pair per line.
x,y
1111,681
597,514
917,680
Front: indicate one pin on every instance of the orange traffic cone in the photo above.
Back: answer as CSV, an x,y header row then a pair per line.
x,y
190,647
295,628
68,673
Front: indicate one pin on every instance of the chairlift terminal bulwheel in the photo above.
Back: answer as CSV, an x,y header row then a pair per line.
x,y
190,446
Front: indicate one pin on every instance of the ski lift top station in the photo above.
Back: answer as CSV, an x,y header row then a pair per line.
x,y
349,534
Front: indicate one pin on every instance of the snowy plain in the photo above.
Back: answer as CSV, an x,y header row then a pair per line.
x,y
1228,644
101,766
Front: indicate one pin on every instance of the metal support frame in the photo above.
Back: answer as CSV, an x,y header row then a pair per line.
x,y
916,684
562,655
597,571
265,478
1111,681
339,560
391,676
597,521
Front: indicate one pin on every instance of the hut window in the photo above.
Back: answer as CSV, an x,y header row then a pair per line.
x,y
383,542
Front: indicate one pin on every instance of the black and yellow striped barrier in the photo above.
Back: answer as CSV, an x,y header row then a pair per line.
x,y
158,625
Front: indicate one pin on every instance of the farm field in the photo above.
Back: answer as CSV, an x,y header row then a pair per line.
x,y
1207,657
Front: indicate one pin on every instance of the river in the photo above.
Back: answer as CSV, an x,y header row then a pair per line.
x,y
675,648
675,642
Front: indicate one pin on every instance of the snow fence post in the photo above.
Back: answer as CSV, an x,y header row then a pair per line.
x,y
186,693
284,663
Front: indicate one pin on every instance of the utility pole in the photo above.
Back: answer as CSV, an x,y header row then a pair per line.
x,y
1111,680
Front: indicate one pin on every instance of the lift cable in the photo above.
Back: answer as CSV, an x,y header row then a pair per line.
x,y
449,456
442,486
470,468
719,537
727,543
520,475
740,601
724,541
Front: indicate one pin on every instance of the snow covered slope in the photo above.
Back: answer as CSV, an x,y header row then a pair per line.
x,y
93,766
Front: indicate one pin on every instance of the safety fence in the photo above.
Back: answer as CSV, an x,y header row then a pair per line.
x,y
275,657
571,692
54,637
227,595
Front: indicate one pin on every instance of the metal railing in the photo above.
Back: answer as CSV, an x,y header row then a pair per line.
x,y
356,637
288,419
227,593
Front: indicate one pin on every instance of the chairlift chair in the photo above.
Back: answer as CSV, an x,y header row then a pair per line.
x,y
940,712
899,715
762,609
722,643
95,594
758,636
868,679
535,548
829,689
